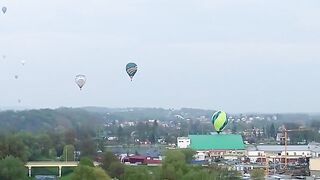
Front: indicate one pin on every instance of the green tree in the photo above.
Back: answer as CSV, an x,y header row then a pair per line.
x,y
222,173
100,174
291,125
136,173
44,143
107,158
68,153
58,142
196,174
272,131
86,161
83,172
154,132
12,168
234,128
188,153
174,165
87,147
257,174
116,169
70,136
264,132
120,134
52,153
13,145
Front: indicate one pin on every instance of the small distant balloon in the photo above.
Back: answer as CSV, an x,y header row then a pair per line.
x,y
4,56
131,69
80,80
219,121
19,101
4,9
16,76
23,62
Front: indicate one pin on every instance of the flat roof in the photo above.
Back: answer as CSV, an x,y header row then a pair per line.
x,y
217,142
276,148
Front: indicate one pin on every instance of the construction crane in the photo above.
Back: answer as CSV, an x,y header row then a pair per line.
x,y
285,131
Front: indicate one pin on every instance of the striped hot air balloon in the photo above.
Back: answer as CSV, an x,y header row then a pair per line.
x,y
131,69
219,121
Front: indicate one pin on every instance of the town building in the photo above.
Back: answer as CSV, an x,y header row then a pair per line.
x,y
228,146
280,138
276,153
143,160
183,142
314,167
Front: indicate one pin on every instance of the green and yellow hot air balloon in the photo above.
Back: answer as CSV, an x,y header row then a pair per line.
x,y
219,121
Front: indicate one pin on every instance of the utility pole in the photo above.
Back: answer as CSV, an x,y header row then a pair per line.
x,y
267,165
285,148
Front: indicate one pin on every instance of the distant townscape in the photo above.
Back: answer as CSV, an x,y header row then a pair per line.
x,y
278,145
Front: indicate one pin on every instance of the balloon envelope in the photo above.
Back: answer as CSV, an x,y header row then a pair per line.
x,y
80,80
219,121
131,69
4,9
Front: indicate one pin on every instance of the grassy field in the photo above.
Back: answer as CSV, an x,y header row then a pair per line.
x,y
67,177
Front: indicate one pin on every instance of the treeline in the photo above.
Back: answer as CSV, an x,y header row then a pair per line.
x,y
175,167
43,134
48,146
142,114
45,120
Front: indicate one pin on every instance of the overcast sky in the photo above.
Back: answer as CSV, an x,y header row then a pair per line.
x,y
238,56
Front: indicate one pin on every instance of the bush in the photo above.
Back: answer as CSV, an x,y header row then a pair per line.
x,y
116,169
12,168
257,174
86,162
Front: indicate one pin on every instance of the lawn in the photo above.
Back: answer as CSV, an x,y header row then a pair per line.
x,y
67,177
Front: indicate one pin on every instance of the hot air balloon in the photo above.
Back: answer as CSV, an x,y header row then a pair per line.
x,y
219,121
80,80
131,69
23,62
4,9
16,76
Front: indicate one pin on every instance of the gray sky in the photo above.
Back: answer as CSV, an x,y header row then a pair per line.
x,y
239,56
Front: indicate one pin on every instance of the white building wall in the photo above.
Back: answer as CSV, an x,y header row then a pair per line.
x,y
200,155
183,142
297,153
255,153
